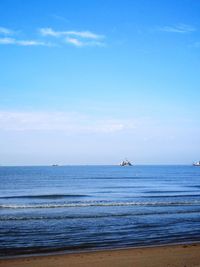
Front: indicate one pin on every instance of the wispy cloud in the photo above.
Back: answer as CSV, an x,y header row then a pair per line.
x,y
82,34
74,41
61,121
78,43
76,38
6,31
86,34
49,32
5,39
179,28
13,41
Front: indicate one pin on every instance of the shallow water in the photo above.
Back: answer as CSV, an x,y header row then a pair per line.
x,y
77,208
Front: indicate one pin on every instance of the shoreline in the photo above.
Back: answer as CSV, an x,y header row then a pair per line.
x,y
63,251
181,255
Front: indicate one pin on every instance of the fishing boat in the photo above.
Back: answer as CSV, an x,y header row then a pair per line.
x,y
197,164
125,163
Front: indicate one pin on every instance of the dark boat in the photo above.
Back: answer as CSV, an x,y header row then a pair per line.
x,y
197,164
125,163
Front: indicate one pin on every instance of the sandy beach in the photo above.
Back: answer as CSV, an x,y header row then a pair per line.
x,y
174,256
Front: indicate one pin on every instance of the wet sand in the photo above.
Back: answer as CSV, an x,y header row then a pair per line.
x,y
169,256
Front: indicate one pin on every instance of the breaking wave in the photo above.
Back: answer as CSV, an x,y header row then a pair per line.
x,y
98,204
93,216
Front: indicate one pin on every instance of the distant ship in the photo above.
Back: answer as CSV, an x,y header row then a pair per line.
x,y
125,163
54,165
197,164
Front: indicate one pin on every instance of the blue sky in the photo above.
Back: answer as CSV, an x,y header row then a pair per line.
x,y
92,82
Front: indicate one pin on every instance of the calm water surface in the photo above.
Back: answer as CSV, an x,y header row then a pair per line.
x,y
77,208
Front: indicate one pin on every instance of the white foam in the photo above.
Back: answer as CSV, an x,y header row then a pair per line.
x,y
98,204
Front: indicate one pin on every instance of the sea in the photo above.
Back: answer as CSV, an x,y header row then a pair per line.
x,y
67,209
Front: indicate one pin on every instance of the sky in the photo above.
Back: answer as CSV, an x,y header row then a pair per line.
x,y
97,81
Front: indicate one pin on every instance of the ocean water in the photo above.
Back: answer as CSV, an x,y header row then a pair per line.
x,y
81,208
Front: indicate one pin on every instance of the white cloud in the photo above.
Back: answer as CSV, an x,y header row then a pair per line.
x,y
61,121
76,38
85,34
180,28
80,43
81,34
49,32
12,41
74,41
31,43
7,40
6,31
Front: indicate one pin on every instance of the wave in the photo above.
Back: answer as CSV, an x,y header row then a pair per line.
x,y
56,196
98,204
95,216
52,196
